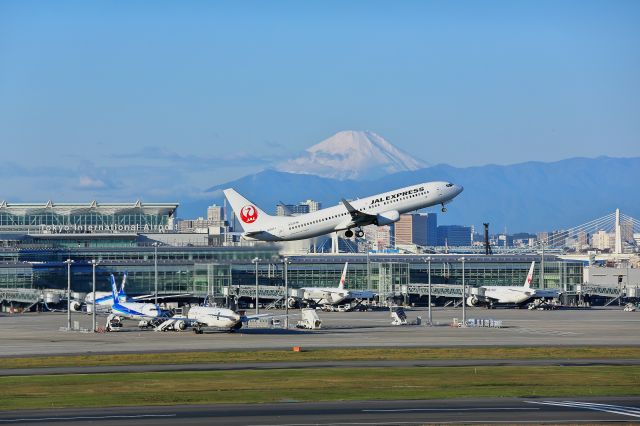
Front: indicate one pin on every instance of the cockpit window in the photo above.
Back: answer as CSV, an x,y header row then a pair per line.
x,y
449,185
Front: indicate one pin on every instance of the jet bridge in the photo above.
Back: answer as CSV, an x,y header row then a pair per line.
x,y
612,293
437,290
266,292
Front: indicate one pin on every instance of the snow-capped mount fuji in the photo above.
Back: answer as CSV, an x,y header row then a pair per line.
x,y
352,155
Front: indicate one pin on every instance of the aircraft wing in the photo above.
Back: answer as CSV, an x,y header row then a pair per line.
x,y
247,318
358,217
161,297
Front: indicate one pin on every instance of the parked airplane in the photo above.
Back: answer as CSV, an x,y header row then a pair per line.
x,y
104,300
199,317
329,295
511,295
130,310
379,209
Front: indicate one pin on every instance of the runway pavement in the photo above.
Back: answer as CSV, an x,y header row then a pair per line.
x,y
460,411
308,364
33,334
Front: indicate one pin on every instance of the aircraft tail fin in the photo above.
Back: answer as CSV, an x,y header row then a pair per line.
x,y
122,296
251,217
527,282
344,276
114,288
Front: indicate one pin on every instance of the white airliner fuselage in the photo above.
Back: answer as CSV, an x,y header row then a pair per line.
x,y
215,317
511,295
379,209
334,295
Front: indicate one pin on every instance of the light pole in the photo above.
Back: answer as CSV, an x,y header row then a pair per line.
x,y
368,268
464,292
429,287
542,286
286,293
155,271
256,260
68,263
94,263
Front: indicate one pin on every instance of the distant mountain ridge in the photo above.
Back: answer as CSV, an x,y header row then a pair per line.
x,y
352,155
531,196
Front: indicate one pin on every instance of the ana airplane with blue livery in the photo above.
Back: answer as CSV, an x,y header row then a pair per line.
x,y
379,209
104,299
198,317
132,310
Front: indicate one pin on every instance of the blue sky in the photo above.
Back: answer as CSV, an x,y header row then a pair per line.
x,y
159,100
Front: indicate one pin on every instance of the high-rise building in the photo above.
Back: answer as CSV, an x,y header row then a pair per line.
x,y
626,230
420,229
543,237
308,206
403,230
199,225
284,209
432,228
314,206
378,236
454,235
215,213
601,240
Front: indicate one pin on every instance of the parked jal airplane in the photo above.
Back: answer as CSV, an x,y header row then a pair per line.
x,y
379,209
330,295
510,295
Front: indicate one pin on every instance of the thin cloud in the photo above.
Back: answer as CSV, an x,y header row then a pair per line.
x,y
162,155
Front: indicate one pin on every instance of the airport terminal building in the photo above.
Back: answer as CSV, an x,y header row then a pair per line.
x,y
140,238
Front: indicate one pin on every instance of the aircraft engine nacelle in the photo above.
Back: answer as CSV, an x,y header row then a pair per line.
x,y
181,325
387,218
75,306
472,301
292,302
337,297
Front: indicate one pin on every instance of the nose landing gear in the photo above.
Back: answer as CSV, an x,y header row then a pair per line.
x,y
443,209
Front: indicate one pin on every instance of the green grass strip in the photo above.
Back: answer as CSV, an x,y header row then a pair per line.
x,y
343,354
327,384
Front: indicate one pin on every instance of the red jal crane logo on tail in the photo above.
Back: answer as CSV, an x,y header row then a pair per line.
x,y
249,214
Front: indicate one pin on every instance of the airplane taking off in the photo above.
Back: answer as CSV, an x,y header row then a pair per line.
x,y
330,295
379,209
511,295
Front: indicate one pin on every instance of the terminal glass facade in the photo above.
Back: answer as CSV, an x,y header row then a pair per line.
x,y
65,218
200,271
